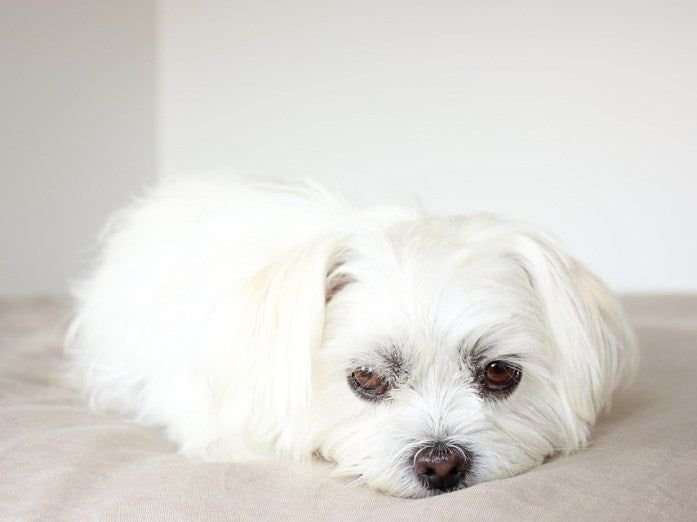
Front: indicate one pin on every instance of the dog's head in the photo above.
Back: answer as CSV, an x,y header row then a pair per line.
x,y
440,353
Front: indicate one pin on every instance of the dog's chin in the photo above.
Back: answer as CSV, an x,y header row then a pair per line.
x,y
410,485
401,481
424,491
415,487
399,477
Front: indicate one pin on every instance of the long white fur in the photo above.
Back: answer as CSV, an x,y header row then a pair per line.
x,y
206,314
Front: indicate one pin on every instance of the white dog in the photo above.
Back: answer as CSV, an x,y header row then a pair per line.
x,y
422,354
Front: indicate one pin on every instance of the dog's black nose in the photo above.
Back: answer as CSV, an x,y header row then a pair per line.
x,y
441,467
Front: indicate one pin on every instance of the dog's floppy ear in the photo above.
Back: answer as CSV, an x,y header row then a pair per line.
x,y
337,277
594,348
282,321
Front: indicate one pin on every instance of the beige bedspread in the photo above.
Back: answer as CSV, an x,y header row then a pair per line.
x,y
59,460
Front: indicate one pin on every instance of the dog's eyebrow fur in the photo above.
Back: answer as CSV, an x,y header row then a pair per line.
x,y
485,342
472,353
394,360
476,355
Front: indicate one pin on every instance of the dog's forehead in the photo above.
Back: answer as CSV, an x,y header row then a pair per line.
x,y
445,267
431,293
453,244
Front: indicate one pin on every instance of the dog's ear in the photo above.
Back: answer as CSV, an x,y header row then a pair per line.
x,y
594,348
283,319
337,275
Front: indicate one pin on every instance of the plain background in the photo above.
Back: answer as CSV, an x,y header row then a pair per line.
x,y
577,116
77,130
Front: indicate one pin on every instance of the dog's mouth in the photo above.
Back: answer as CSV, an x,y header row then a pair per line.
x,y
431,492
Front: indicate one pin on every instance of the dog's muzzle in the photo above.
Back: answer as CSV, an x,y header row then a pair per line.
x,y
442,467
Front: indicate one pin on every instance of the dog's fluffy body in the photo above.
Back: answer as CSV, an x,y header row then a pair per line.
x,y
231,314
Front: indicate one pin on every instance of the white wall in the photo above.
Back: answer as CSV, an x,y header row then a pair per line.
x,y
76,130
579,116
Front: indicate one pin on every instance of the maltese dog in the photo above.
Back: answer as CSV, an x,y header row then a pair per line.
x,y
420,354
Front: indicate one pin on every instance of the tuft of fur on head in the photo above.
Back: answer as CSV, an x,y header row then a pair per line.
x,y
245,319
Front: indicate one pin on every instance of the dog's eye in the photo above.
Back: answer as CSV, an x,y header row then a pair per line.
x,y
368,384
500,375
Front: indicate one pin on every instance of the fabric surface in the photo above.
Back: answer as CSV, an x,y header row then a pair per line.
x,y
59,460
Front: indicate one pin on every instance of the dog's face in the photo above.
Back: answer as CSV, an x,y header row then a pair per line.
x,y
460,352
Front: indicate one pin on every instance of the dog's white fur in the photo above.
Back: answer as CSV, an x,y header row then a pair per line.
x,y
230,313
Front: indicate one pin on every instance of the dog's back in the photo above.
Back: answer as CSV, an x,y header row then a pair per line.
x,y
157,333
